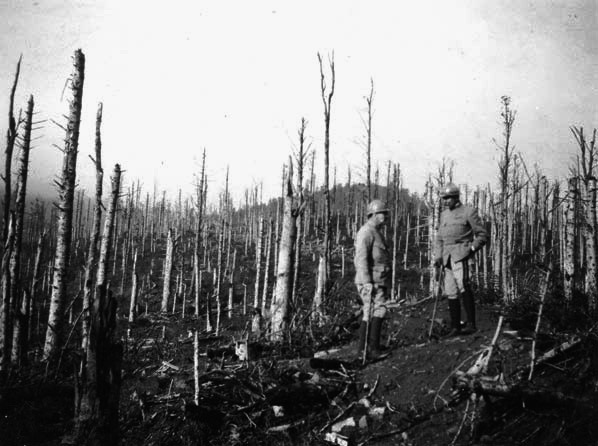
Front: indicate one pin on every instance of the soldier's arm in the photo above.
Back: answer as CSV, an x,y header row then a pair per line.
x,y
480,235
363,245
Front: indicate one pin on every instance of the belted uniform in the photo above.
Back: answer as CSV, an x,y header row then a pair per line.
x,y
460,235
372,266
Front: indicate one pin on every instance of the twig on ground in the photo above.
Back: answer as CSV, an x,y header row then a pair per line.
x,y
455,370
461,424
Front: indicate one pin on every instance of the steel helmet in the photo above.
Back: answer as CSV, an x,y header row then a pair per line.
x,y
376,207
450,190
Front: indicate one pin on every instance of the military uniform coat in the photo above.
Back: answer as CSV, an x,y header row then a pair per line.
x,y
460,229
372,259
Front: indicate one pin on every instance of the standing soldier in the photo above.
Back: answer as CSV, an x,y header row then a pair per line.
x,y
372,277
460,236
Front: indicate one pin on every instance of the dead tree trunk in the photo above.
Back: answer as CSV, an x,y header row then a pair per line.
x,y
108,233
284,275
20,306
167,272
133,305
33,296
323,269
587,164
301,156
267,267
369,100
569,257
92,252
395,229
218,276
11,136
96,417
508,118
591,285
198,228
258,263
66,189
5,322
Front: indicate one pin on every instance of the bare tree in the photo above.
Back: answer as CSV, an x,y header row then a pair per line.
x,y
92,253
284,275
167,273
368,147
96,414
587,162
258,262
300,158
569,270
11,136
198,227
66,188
504,169
322,280
134,291
5,334
108,234
20,306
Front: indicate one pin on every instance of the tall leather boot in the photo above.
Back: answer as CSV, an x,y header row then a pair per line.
x,y
455,314
469,305
374,338
363,327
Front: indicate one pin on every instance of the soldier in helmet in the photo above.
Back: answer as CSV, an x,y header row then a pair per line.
x,y
460,235
372,277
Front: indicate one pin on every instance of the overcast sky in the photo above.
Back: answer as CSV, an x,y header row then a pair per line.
x,y
236,77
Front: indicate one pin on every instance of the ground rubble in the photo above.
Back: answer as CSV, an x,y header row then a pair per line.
x,y
430,390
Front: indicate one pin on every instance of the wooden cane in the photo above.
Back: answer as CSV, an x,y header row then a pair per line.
x,y
438,290
367,328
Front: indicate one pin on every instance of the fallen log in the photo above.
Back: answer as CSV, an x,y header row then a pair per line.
x,y
562,348
523,392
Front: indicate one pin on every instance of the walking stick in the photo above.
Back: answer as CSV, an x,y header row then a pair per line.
x,y
438,290
367,328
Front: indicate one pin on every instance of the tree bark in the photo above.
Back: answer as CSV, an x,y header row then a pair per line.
x,y
133,305
284,275
96,417
11,136
20,306
92,252
323,270
66,189
569,258
5,321
258,263
267,267
167,272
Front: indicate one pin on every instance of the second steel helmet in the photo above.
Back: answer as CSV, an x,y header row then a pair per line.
x,y
450,190
376,207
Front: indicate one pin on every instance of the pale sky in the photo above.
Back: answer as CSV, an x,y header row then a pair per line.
x,y
236,77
